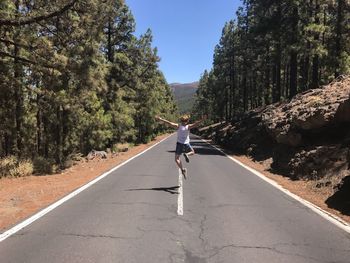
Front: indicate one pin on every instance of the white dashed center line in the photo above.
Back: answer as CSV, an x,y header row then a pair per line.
x,y
180,211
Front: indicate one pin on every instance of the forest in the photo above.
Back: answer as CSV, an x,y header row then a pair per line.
x,y
74,78
272,51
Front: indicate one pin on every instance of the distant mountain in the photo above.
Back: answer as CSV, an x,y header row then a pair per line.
x,y
184,95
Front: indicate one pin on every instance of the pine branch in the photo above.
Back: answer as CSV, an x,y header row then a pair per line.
x,y
21,22
25,60
9,42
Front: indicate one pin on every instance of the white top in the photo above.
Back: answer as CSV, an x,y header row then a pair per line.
x,y
183,134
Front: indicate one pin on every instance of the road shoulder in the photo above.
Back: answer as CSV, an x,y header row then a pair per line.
x,y
304,189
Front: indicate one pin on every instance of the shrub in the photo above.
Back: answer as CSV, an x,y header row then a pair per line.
x,y
11,166
6,164
71,160
23,168
120,147
8,161
43,166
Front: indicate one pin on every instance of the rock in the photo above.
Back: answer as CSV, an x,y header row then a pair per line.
x,y
318,162
96,154
290,138
307,137
311,111
343,112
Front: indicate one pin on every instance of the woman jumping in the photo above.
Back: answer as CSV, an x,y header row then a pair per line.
x,y
183,145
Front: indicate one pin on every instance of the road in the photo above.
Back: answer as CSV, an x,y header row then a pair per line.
x,y
229,215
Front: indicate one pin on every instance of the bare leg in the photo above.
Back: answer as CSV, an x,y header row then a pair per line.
x,y
178,161
191,153
179,164
186,155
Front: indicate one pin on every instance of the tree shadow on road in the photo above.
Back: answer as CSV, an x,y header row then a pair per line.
x,y
202,148
171,190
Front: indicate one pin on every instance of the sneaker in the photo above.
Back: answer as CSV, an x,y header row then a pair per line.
x,y
186,157
184,172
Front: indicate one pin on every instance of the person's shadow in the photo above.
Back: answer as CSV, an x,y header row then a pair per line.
x,y
171,190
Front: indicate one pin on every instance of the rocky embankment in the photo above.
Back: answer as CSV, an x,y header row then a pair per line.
x,y
306,138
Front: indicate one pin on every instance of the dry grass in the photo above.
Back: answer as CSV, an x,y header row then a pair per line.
x,y
10,166
326,185
121,147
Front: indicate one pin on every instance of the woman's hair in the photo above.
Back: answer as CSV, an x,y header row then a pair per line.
x,y
185,118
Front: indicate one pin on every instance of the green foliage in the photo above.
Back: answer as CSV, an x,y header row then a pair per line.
x,y
43,166
273,50
77,81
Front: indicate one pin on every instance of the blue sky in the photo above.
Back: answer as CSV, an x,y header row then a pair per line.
x,y
184,31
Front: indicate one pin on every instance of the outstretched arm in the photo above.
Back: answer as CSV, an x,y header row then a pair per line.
x,y
169,123
197,123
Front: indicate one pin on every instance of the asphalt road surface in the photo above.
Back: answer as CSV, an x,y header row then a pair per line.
x,y
229,215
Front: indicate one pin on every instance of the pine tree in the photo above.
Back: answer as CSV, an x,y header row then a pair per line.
x,y
73,77
277,48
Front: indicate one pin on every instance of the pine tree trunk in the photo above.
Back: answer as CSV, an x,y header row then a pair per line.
x,y
258,89
277,75
233,80
304,73
315,76
58,133
338,38
294,55
232,91
2,144
19,105
244,86
46,136
293,74
65,129
285,83
7,144
226,103
315,59
250,95
18,96
38,127
267,90
277,70
110,56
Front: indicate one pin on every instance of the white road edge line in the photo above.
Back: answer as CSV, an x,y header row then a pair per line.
x,y
46,210
180,210
328,216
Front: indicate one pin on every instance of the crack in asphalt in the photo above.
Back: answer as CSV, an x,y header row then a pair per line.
x,y
100,236
201,232
212,252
